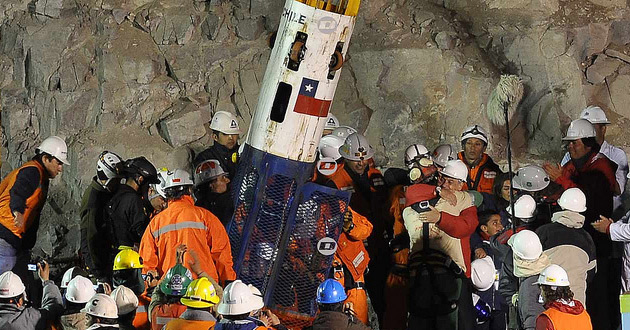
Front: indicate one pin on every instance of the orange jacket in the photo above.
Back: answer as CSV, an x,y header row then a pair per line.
x,y
184,223
34,203
481,176
558,317
141,321
351,251
396,205
181,324
162,314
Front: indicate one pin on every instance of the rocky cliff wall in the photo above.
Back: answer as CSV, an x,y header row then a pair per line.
x,y
141,77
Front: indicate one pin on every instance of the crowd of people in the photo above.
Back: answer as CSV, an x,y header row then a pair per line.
x,y
449,242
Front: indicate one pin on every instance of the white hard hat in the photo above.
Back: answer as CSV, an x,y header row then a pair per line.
x,y
579,128
415,153
162,174
80,290
456,169
483,273
126,300
56,147
258,302
530,178
573,199
331,122
343,132
237,299
526,245
225,123
553,275
595,115
524,207
356,147
329,146
207,170
475,131
69,274
107,165
177,178
443,153
101,305
10,285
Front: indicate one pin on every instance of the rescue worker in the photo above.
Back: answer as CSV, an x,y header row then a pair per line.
x,y
562,311
199,299
596,116
184,223
567,244
23,193
126,303
95,238
212,190
351,261
101,313
481,168
156,195
333,312
369,194
128,272
594,174
421,169
484,276
80,291
225,133
13,311
331,123
328,159
126,215
238,305
527,260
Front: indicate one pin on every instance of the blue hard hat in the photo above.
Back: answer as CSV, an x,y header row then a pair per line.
x,y
330,292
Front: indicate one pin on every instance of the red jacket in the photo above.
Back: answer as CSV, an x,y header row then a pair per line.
x,y
560,316
597,162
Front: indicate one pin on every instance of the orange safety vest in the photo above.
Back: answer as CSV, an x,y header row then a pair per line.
x,y
184,223
562,320
481,176
34,203
141,321
181,324
162,314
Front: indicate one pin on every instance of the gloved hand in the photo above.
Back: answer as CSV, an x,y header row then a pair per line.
x,y
347,221
515,299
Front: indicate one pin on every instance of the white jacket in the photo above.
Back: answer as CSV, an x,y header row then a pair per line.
x,y
620,232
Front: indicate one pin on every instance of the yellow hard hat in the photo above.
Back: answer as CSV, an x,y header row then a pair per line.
x,y
200,294
127,259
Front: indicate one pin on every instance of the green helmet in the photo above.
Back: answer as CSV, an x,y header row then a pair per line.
x,y
176,281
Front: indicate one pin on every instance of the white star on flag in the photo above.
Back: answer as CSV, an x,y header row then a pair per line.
x,y
308,87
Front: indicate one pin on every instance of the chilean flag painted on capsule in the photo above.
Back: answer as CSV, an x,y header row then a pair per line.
x,y
307,102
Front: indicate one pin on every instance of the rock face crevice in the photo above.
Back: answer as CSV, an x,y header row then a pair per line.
x,y
143,77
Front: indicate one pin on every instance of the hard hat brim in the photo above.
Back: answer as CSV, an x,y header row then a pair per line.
x,y
194,303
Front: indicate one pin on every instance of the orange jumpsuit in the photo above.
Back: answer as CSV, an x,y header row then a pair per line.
x,y
351,259
481,176
162,314
396,286
141,321
184,223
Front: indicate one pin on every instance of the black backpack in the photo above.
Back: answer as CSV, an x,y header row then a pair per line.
x,y
435,281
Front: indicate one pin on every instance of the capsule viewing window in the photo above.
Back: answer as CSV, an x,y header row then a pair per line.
x,y
281,102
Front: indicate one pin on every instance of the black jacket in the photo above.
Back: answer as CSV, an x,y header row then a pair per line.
x,y
126,217
221,205
228,158
336,320
95,242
